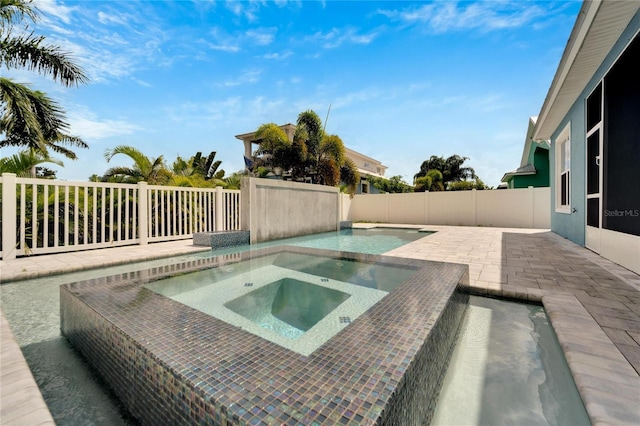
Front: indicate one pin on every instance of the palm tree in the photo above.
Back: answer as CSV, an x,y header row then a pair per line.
x,y
198,171
276,150
207,167
451,169
28,117
312,153
309,132
20,106
25,162
144,169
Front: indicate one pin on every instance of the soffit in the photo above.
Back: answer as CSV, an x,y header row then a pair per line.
x,y
598,27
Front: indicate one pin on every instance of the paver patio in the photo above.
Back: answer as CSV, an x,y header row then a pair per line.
x,y
593,304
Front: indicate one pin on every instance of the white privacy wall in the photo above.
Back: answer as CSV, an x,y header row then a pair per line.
x,y
273,209
509,208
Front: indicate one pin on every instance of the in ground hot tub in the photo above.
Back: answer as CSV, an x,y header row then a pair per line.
x,y
364,338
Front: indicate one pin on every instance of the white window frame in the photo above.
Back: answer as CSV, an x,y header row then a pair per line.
x,y
563,170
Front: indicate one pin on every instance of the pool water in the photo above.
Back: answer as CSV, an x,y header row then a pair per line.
x,y
295,300
376,240
508,369
288,306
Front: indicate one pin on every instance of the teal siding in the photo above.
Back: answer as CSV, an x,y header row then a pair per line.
x,y
541,178
572,226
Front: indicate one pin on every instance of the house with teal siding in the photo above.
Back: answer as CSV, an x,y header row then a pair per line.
x,y
534,164
591,117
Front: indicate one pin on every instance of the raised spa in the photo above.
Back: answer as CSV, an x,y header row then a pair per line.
x,y
275,336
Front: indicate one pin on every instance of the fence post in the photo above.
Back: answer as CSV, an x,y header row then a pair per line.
x,y
426,207
474,196
219,209
9,214
387,201
531,207
143,213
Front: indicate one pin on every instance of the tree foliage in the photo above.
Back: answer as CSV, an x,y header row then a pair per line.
x,y
29,118
25,162
196,172
451,170
312,155
144,169
394,184
465,185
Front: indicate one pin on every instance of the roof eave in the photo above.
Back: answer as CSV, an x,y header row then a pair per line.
x,y
544,126
598,28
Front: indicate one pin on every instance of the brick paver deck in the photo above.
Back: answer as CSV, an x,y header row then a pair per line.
x,y
593,304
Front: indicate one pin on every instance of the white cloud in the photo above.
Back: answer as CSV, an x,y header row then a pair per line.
x,y
247,77
278,55
336,37
223,41
356,97
442,17
261,36
112,18
85,124
50,8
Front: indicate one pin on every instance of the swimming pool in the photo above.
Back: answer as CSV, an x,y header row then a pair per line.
x,y
76,396
373,240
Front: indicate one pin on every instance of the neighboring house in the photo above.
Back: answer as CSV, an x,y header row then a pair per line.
x,y
591,116
534,165
367,166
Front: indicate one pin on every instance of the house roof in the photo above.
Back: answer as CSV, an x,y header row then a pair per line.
x,y
528,169
251,135
598,26
528,141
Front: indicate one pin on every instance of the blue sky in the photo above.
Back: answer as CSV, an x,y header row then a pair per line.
x,y
405,80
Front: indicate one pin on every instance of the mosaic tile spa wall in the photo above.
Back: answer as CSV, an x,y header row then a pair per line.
x,y
171,364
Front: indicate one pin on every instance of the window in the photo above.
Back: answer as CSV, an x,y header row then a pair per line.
x,y
563,171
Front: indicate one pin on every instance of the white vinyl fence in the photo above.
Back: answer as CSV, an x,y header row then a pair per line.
x,y
508,208
48,216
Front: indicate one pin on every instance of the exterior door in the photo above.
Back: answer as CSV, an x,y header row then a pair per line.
x,y
594,190
594,169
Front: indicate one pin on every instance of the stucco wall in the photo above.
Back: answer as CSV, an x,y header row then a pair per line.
x,y
273,209
572,225
517,208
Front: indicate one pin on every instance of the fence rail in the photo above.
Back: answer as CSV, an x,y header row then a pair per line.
x,y
46,216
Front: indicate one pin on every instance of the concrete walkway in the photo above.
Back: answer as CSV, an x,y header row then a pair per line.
x,y
593,304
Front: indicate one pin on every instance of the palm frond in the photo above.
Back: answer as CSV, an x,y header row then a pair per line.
x,y
127,174
29,52
19,114
24,162
15,11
